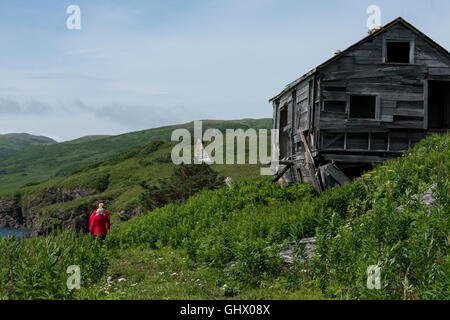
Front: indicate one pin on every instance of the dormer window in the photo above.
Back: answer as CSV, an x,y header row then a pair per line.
x,y
398,52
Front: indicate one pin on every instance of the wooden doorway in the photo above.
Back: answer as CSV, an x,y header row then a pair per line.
x,y
439,105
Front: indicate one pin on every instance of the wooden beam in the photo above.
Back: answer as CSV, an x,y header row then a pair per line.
x,y
337,174
309,157
281,173
310,165
356,158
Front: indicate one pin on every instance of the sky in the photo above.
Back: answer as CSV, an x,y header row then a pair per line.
x,y
140,64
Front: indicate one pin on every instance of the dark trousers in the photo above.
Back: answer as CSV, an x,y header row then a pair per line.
x,y
99,236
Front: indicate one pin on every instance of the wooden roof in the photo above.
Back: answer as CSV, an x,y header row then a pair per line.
x,y
371,36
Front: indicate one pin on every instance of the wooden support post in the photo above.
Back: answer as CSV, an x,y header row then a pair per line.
x,y
310,164
309,157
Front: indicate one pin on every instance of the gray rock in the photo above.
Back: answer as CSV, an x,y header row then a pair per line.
x,y
287,254
310,246
427,199
229,182
230,265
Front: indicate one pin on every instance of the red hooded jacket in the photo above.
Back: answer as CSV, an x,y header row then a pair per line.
x,y
99,223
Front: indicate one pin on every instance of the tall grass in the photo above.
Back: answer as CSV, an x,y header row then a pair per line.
x,y
377,220
210,224
36,268
380,219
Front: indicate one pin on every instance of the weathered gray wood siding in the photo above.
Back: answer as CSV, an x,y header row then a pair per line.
x,y
296,105
400,104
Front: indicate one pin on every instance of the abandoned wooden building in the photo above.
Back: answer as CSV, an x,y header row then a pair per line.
x,y
365,105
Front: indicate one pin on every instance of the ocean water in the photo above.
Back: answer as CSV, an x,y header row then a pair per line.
x,y
5,232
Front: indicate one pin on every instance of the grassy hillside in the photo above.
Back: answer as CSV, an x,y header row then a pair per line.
x,y
42,163
13,142
378,220
119,181
184,250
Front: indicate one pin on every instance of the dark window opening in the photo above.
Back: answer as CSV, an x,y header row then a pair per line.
x,y
438,105
362,107
283,135
283,118
334,106
398,52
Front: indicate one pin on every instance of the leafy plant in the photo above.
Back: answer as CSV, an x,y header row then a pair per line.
x,y
36,268
184,182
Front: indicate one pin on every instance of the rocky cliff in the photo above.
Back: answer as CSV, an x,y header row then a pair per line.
x,y
49,209
11,213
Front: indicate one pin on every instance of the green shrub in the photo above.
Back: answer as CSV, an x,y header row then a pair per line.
x,y
36,268
184,182
99,181
212,224
377,221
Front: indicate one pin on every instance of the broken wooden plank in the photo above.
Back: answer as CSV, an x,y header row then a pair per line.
x,y
337,174
310,164
281,173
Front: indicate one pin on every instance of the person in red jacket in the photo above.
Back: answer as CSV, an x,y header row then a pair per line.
x,y
99,222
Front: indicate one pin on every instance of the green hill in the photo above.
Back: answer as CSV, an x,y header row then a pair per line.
x,y
13,142
226,243
118,181
395,217
44,162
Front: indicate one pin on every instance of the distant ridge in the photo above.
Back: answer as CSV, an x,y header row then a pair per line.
x,y
14,142
89,138
44,162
